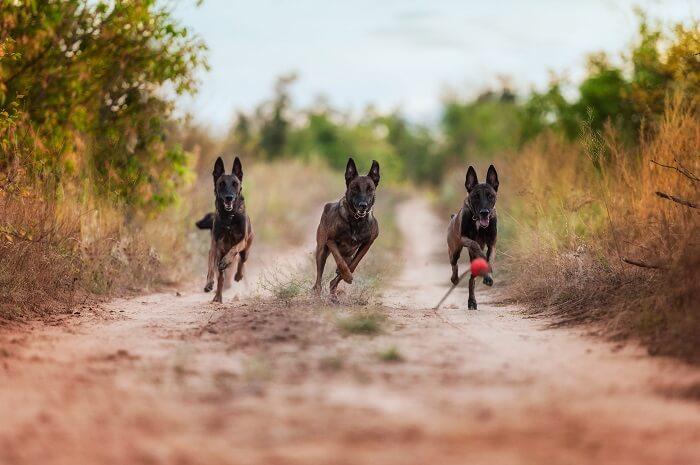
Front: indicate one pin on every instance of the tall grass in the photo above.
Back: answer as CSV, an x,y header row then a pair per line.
x,y
594,239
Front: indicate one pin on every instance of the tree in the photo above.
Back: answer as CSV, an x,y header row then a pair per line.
x,y
88,76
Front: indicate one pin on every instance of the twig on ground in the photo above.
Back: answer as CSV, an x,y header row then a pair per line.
x,y
679,200
642,264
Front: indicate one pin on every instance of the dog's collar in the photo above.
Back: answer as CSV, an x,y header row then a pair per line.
x,y
230,216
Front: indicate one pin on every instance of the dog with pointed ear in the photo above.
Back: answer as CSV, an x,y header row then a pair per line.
x,y
231,230
475,227
348,227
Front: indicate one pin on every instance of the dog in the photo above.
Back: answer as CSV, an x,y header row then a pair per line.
x,y
348,227
475,226
231,230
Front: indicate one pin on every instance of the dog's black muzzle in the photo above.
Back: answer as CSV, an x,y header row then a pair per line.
x,y
228,200
484,217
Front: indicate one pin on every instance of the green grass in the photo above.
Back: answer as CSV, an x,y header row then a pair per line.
x,y
286,286
368,322
390,354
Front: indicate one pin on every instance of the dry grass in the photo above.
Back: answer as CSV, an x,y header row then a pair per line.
x,y
601,244
39,256
56,249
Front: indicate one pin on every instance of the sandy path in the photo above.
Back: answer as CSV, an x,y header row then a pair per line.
x,y
174,379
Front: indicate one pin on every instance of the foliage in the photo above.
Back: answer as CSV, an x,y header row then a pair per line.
x,y
481,128
88,79
608,247
277,129
625,95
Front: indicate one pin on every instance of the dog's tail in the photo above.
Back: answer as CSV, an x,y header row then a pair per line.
x,y
207,222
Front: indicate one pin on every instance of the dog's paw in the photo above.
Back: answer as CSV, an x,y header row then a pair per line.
x,y
239,276
471,304
223,264
209,286
217,299
454,279
333,296
347,277
488,280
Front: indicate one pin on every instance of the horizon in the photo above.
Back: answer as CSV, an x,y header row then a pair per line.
x,y
406,56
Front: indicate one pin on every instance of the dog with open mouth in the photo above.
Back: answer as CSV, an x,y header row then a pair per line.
x,y
231,229
475,226
348,227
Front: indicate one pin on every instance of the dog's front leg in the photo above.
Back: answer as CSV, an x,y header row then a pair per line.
x,y
242,258
321,257
471,303
211,266
223,263
218,296
361,252
345,272
490,252
454,258
227,260
473,247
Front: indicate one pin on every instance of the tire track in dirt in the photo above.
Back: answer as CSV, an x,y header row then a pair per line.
x,y
164,378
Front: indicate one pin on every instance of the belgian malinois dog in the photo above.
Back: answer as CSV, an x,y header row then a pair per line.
x,y
348,228
231,230
474,226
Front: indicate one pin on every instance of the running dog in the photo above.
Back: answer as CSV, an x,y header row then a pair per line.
x,y
348,228
474,226
231,230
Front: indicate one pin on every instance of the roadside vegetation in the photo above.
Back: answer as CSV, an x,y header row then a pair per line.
x,y
100,183
86,165
603,205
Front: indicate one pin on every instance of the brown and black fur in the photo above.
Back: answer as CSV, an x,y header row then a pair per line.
x,y
348,228
475,226
231,230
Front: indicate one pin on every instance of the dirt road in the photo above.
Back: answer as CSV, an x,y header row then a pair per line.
x,y
174,379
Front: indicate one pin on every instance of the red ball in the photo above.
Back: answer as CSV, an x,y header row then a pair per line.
x,y
480,267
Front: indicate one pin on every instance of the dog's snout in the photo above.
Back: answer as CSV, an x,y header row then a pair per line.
x,y
362,205
484,212
228,198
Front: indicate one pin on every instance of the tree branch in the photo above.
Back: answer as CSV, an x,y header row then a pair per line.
x,y
680,169
673,198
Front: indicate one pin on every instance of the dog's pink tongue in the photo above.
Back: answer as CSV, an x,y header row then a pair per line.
x,y
484,222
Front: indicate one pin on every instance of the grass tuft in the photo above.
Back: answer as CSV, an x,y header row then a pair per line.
x,y
390,355
365,322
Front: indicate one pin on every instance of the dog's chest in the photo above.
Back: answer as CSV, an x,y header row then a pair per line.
x,y
354,235
230,233
482,236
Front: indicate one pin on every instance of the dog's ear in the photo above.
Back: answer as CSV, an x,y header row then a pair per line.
x,y
218,169
492,178
471,180
350,171
374,173
238,169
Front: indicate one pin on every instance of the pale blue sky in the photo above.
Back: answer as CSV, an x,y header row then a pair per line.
x,y
399,53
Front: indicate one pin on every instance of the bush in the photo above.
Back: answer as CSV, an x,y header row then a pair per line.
x,y
599,241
